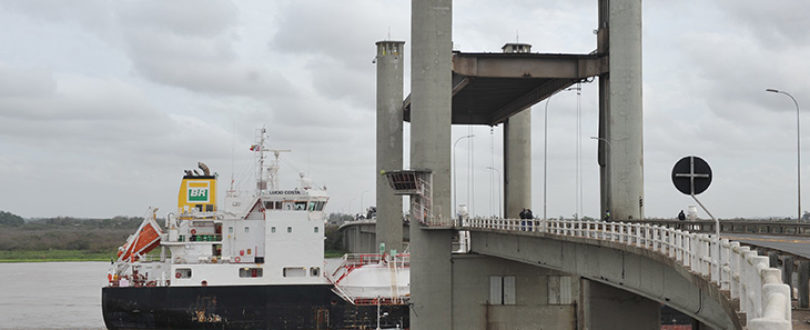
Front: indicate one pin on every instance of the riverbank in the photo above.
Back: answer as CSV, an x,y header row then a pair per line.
x,y
7,256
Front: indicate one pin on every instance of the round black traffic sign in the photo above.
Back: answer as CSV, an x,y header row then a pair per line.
x,y
691,175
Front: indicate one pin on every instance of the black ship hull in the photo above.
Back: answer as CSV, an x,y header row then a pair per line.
x,y
241,307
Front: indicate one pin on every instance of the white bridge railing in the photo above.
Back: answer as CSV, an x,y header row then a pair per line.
x,y
763,297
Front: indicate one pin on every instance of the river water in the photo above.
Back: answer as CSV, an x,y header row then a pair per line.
x,y
52,295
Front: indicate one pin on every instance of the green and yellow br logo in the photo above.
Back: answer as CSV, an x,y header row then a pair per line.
x,y
198,192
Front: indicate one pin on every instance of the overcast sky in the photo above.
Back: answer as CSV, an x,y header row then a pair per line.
x,y
103,104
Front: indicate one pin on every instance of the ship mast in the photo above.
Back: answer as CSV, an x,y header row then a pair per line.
x,y
259,147
273,169
261,183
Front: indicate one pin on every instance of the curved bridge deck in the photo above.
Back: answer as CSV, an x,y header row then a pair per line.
x,y
721,283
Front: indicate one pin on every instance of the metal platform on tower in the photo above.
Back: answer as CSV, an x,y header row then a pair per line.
x,y
417,184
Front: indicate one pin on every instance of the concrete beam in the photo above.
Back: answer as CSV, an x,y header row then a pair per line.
x,y
528,65
390,68
490,87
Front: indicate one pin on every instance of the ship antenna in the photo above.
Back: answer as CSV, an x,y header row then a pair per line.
x,y
233,153
259,147
273,169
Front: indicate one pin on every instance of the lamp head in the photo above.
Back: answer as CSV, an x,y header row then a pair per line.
x,y
772,90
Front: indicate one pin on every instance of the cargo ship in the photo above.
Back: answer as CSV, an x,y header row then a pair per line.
x,y
258,263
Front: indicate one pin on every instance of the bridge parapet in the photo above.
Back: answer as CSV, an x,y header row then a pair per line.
x,y
759,227
746,276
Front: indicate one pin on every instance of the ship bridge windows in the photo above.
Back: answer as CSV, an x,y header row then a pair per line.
x,y
316,205
272,205
295,205
294,272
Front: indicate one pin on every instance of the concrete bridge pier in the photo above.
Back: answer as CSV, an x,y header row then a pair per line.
x,y
390,64
605,307
431,67
517,150
620,110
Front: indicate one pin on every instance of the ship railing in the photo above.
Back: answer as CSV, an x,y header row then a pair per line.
x,y
200,215
355,260
360,259
384,301
763,298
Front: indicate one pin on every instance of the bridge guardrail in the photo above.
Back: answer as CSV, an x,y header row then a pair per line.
x,y
759,227
730,266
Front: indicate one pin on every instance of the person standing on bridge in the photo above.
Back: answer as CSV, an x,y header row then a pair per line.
x,y
607,215
681,216
522,220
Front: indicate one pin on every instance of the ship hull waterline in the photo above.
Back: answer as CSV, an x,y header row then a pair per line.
x,y
242,307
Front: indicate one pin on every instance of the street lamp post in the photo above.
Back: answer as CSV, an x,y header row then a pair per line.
x,y
362,195
798,154
498,179
455,192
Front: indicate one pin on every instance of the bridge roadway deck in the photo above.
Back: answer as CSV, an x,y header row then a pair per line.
x,y
658,262
796,245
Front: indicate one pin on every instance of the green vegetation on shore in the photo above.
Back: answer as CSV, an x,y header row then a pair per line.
x,y
62,238
55,255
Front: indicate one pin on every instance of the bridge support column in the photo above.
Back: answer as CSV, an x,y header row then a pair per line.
x,y
606,307
431,67
620,110
517,149
787,272
390,65
773,259
804,286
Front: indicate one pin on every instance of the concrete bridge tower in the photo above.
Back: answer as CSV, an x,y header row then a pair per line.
x,y
431,73
620,110
390,63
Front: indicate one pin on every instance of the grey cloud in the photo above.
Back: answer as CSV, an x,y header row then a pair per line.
x,y
94,15
201,65
777,24
186,17
345,31
338,82
25,82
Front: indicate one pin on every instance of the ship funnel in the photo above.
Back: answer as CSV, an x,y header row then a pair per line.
x,y
197,192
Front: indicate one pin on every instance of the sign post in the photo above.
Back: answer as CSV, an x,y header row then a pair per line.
x,y
691,176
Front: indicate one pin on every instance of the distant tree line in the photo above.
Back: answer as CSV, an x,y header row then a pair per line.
x,y
10,219
65,233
